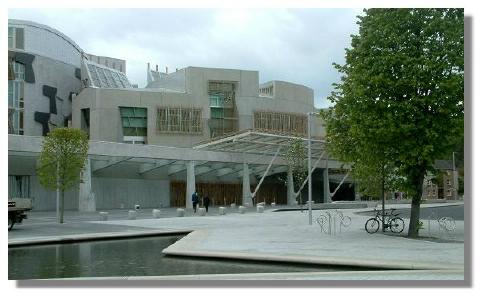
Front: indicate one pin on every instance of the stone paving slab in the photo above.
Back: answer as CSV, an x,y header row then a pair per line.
x,y
285,235
410,275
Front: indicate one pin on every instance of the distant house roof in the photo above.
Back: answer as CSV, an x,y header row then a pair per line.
x,y
441,164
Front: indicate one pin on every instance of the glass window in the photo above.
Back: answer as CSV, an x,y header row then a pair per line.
x,y
134,121
11,36
15,38
19,38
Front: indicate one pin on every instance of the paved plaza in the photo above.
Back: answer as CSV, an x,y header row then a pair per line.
x,y
279,236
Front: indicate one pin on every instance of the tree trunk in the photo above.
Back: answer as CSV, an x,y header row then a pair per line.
x,y
62,201
414,225
58,193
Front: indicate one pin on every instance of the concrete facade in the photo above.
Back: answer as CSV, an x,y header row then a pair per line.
x,y
188,88
51,63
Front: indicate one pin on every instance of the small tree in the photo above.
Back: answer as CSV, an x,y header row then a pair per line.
x,y
297,160
63,157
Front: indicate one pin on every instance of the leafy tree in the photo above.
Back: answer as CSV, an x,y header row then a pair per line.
x,y
63,157
296,156
400,98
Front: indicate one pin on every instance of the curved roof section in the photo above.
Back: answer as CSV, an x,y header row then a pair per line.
x,y
46,28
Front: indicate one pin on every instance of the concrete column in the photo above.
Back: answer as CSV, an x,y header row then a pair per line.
x,y
86,198
357,194
190,183
326,187
290,188
246,193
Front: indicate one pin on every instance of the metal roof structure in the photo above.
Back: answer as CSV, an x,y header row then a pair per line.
x,y
256,142
104,77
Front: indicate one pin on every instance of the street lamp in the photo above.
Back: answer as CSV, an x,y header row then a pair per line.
x,y
309,168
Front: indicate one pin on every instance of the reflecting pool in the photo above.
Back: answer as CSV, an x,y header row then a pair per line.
x,y
128,257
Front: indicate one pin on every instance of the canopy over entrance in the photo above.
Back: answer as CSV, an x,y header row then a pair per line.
x,y
254,142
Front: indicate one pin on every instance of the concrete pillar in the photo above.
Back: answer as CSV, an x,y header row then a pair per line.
x,y
246,193
357,194
86,198
290,188
326,187
190,183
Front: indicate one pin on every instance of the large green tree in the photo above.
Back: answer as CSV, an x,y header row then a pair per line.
x,y
63,157
400,99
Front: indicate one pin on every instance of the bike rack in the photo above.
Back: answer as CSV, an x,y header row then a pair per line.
x,y
446,225
328,222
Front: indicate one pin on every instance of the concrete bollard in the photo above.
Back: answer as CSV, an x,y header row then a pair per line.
x,y
241,209
259,209
132,215
103,216
137,207
221,210
273,204
180,212
233,205
156,213
262,204
202,211
246,204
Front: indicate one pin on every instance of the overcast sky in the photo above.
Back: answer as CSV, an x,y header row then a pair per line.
x,y
295,45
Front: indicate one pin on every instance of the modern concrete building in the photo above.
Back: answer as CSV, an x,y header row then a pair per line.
x,y
218,131
193,105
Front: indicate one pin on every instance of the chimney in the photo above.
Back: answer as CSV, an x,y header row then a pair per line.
x,y
166,70
148,66
156,68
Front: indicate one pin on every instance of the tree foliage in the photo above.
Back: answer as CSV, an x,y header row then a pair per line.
x,y
400,99
63,157
296,156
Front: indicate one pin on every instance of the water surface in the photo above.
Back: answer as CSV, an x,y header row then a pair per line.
x,y
128,257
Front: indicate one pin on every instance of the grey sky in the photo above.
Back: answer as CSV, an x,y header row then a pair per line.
x,y
296,45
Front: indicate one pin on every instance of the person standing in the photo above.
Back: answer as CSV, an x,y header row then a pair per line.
x,y
195,201
206,202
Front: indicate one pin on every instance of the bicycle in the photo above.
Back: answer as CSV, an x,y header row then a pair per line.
x,y
392,222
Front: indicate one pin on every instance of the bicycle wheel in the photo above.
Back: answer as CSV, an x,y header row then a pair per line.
x,y
397,224
372,225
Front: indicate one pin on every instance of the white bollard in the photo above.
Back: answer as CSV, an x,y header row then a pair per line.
x,y
233,205
180,212
241,209
156,213
273,204
103,216
259,209
221,210
262,204
202,211
132,215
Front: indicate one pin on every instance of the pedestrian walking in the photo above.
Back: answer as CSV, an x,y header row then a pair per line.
x,y
195,201
206,202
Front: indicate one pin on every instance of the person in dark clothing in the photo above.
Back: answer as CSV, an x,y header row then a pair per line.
x,y
195,201
206,202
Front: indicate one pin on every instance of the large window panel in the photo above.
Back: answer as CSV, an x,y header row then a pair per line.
x,y
134,122
179,120
282,123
